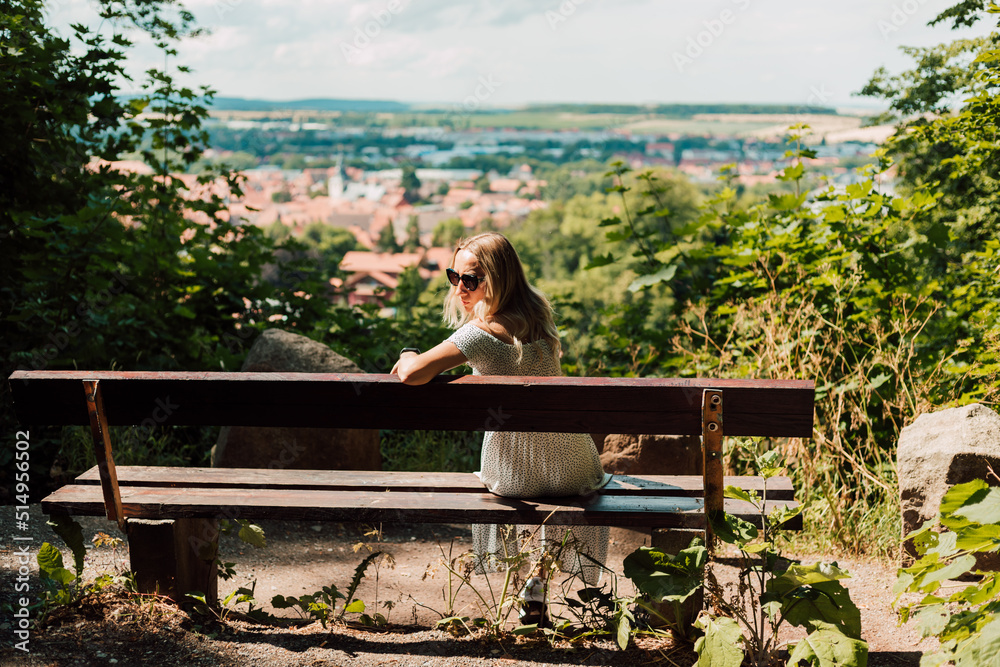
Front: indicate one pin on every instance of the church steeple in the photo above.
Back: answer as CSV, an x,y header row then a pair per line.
x,y
335,186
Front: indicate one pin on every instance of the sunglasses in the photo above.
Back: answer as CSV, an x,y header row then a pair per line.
x,y
471,282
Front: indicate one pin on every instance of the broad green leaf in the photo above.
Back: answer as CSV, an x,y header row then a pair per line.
x,y
663,577
356,607
599,261
800,575
720,646
957,497
946,545
732,529
934,659
739,494
61,575
253,534
281,602
49,558
982,649
665,274
952,570
792,173
979,538
755,548
786,202
618,235
72,534
782,513
986,510
984,591
827,601
829,647
932,620
624,630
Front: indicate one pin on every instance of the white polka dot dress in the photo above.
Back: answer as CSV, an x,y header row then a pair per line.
x,y
532,465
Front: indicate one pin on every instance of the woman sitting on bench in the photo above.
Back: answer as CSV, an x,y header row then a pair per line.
x,y
505,327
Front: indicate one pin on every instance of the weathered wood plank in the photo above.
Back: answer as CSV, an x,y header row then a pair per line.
x,y
564,404
779,488
396,507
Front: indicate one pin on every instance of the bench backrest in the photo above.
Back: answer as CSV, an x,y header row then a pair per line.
x,y
710,408
778,408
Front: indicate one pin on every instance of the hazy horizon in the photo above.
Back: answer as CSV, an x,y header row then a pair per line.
x,y
491,54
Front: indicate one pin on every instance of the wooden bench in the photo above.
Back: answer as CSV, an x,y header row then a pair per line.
x,y
171,514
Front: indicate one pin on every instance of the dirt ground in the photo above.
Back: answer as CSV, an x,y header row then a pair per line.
x,y
303,557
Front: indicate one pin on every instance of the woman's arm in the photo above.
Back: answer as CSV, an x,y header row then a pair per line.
x,y
413,368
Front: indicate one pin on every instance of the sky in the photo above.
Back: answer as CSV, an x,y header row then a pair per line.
x,y
507,53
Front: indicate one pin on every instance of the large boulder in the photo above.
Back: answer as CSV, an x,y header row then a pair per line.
x,y
626,454
937,451
300,448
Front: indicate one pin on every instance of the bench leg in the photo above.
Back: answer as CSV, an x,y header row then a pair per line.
x,y
175,556
671,541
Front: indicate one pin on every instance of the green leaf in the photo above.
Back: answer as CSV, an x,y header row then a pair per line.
x,y
72,534
356,607
812,595
281,602
731,529
828,647
786,202
952,570
979,538
960,495
624,630
599,261
61,575
665,274
252,534
49,558
982,649
720,647
663,577
985,510
792,173
739,494
932,620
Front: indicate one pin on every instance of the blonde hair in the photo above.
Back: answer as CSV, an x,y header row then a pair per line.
x,y
526,313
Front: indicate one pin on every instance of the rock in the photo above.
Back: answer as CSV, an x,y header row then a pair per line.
x,y
300,448
937,451
652,455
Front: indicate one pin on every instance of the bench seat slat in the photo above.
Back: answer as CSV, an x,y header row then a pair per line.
x,y
778,488
399,507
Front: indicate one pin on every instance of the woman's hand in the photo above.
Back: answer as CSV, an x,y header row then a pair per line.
x,y
413,368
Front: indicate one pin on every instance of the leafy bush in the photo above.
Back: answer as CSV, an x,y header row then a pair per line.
x,y
966,621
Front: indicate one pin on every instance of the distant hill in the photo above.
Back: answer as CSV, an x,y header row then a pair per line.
x,y
241,104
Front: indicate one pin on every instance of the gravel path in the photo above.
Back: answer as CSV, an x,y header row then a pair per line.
x,y
303,557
